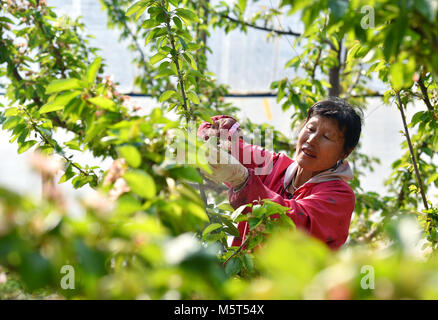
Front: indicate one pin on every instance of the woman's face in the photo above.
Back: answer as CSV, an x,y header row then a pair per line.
x,y
320,144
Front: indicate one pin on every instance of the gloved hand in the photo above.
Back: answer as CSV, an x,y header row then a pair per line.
x,y
225,167
226,123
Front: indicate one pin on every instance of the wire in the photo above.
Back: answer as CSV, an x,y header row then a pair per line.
x,y
287,39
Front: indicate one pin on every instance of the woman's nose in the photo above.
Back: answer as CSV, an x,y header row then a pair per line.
x,y
311,138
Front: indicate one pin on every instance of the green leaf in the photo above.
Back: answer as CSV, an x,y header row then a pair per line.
x,y
74,145
396,72
233,266
141,183
137,8
258,211
287,221
402,71
338,8
93,130
63,84
11,122
193,97
35,270
177,22
164,73
26,145
238,211
81,180
103,103
158,57
432,178
93,69
225,206
11,112
417,117
174,2
425,8
273,207
155,33
242,217
254,222
196,211
91,260
184,44
127,204
242,5
231,228
131,155
186,172
187,15
59,102
18,132
189,58
161,17
253,242
167,95
150,23
204,115
295,61
248,262
211,227
68,174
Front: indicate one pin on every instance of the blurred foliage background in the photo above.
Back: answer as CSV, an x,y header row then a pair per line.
x,y
155,228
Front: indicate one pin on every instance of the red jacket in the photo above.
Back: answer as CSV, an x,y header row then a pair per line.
x,y
322,206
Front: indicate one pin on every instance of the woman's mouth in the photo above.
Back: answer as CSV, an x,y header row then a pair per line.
x,y
309,153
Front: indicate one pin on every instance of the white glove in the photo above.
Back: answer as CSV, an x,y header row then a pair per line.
x,y
225,167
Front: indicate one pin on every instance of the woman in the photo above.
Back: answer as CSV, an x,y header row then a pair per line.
x,y
313,185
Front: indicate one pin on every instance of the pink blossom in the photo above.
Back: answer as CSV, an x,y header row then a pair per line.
x,y
3,278
120,187
47,165
117,169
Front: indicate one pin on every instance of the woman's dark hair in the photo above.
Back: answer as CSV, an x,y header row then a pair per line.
x,y
349,121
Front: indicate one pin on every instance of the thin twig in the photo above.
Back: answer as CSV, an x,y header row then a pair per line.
x,y
316,64
236,252
425,96
411,149
48,142
175,60
120,16
367,95
254,26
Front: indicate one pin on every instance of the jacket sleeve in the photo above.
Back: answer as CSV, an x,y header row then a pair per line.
x,y
325,214
254,157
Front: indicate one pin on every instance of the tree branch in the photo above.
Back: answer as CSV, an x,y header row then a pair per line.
x,y
178,69
367,95
334,73
411,149
316,64
254,26
237,251
425,96
48,142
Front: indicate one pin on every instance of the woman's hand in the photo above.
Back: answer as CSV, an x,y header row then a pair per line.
x,y
225,123
226,168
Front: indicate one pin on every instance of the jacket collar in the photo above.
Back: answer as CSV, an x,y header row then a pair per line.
x,y
342,172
